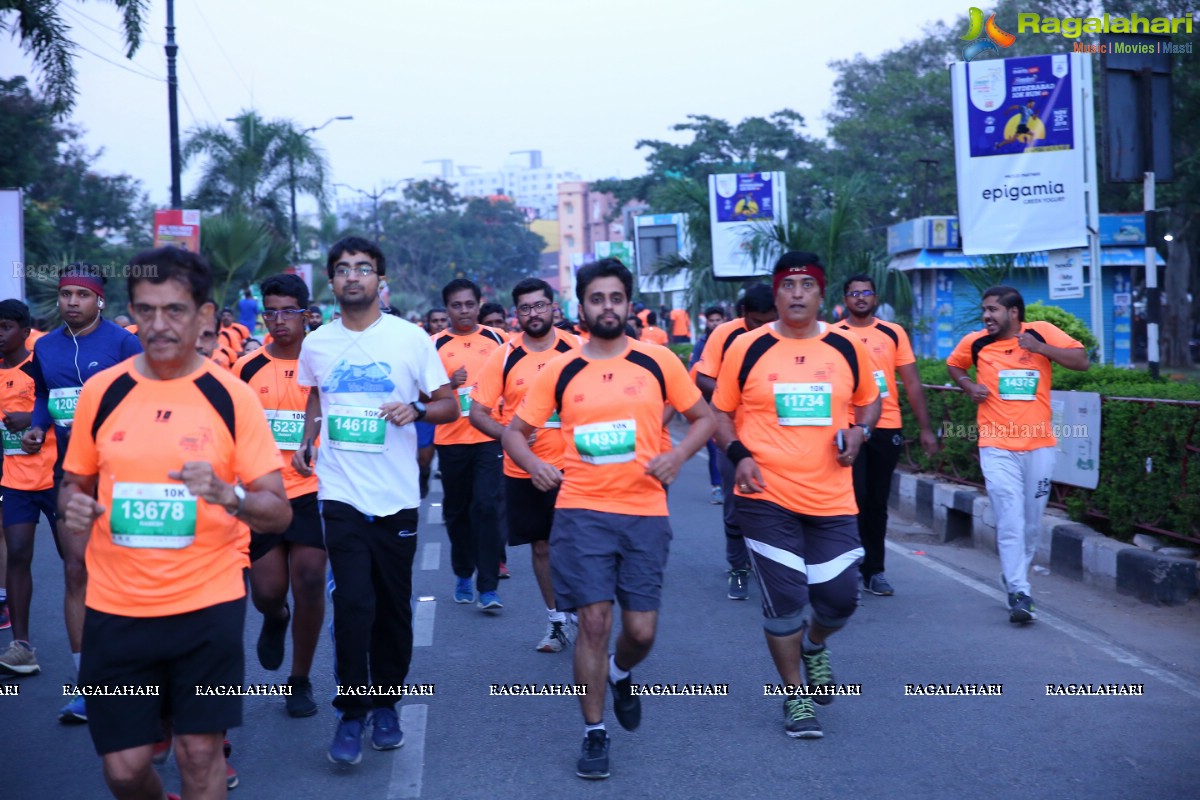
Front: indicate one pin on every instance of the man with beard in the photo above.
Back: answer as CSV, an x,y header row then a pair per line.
x,y
890,352
795,380
1012,359
62,361
505,377
470,461
611,397
314,318
371,376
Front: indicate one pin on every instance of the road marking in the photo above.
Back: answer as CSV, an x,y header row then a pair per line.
x,y
1116,652
423,623
435,514
408,763
430,555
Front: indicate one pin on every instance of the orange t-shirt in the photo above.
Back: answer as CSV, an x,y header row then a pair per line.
x,y
470,351
503,381
284,401
132,329
795,393
655,335
612,424
888,348
644,315
30,473
34,335
224,357
681,322
716,344
232,337
1016,414
172,552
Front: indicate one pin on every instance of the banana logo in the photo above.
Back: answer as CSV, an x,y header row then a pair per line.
x,y
976,27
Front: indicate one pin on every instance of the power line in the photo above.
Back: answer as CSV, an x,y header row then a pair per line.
x,y
199,88
228,60
122,66
73,10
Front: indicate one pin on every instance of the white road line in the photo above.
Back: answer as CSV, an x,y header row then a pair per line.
x,y
431,554
408,763
423,623
434,516
1116,652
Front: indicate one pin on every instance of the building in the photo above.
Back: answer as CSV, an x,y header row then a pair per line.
x,y
585,218
531,185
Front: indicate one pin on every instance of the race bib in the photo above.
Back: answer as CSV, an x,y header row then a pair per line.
x,y
804,403
12,442
554,421
158,515
881,382
464,400
356,428
607,442
287,428
1019,384
62,405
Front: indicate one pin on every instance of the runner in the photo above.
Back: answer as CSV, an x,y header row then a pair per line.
x,y
436,321
890,352
612,397
681,326
371,376
492,315
1013,360
297,556
63,360
713,316
795,380
470,461
315,318
757,309
170,460
233,334
652,333
27,483
504,379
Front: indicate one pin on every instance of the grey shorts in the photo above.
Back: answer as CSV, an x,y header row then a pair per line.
x,y
597,557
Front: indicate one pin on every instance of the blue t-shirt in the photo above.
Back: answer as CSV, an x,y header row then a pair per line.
x,y
248,312
62,362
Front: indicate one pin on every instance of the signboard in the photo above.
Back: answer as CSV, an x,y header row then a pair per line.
x,y
1122,351
1075,417
738,205
659,236
619,250
305,272
177,228
943,313
1122,229
941,233
1019,154
1065,274
12,244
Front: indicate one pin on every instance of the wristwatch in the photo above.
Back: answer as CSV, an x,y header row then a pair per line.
x,y
866,430
240,494
419,407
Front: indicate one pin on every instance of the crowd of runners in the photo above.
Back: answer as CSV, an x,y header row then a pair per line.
x,y
183,465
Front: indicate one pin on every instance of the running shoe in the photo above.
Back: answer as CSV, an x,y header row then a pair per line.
x,y
463,592
347,742
717,497
385,729
504,573
5,621
231,776
490,601
878,585
300,702
557,638
626,705
19,659
800,721
74,712
1021,608
271,640
818,673
739,584
162,750
593,761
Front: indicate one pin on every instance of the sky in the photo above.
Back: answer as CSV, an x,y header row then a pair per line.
x,y
467,80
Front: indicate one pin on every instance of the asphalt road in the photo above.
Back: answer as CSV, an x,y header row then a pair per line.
x,y
945,625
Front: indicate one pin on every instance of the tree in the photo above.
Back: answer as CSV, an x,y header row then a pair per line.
x,y
242,249
43,34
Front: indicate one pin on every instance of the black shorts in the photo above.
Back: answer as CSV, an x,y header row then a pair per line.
x,y
25,507
530,511
176,654
305,528
596,556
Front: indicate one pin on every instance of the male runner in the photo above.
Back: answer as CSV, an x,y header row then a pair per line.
x,y
63,360
890,352
297,556
795,380
612,397
470,461
681,325
652,333
1012,358
713,316
436,321
758,308
505,378
314,318
169,461
233,334
371,376
492,315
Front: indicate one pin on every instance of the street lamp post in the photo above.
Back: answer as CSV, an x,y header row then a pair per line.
x,y
374,198
292,181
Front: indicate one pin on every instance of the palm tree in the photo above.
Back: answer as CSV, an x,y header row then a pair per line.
x,y
242,249
43,34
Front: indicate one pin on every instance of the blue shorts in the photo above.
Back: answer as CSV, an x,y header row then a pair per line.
x,y
22,507
424,434
597,556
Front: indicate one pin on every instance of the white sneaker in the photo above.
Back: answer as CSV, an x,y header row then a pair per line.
x,y
558,637
19,659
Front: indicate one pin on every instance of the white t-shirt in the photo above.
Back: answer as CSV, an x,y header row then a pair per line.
x,y
393,360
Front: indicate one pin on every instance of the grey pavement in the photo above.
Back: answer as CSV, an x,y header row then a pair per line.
x,y
946,624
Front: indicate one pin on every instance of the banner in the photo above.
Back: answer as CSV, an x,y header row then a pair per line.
x,y
12,244
621,250
1065,274
738,205
1019,155
177,228
305,273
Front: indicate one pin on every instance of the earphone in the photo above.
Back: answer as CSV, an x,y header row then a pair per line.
x,y
100,304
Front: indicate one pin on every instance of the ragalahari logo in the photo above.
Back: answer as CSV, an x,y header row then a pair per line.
x,y
996,38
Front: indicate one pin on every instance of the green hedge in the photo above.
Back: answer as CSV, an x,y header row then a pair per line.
x,y
1168,496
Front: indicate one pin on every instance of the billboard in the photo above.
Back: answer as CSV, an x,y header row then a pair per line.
x,y
177,228
1019,153
738,206
12,244
656,237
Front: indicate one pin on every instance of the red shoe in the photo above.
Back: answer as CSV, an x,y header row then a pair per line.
x,y
162,751
504,571
5,622
173,796
231,776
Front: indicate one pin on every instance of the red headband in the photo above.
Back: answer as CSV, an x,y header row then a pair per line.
x,y
811,270
85,281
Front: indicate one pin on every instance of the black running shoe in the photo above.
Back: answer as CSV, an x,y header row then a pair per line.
x,y
1020,608
593,761
800,721
300,702
626,705
270,640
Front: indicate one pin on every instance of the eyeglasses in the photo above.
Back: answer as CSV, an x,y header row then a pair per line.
x,y
362,272
539,307
863,293
288,313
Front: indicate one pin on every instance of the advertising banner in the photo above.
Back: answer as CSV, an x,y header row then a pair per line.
x,y
738,204
1065,274
178,228
1075,419
621,250
1019,154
